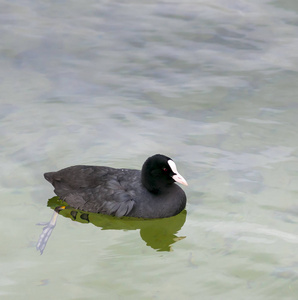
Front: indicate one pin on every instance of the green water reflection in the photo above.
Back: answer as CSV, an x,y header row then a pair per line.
x,y
159,234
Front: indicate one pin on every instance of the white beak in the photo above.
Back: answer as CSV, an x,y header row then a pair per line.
x,y
179,179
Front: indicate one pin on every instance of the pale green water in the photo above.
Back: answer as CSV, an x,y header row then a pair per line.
x,y
214,86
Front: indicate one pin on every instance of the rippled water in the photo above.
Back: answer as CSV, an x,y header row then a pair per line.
x,y
212,85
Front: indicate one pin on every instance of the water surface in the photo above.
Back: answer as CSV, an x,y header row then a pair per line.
x,y
213,86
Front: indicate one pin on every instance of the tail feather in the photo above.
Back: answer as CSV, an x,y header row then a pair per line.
x,y
49,176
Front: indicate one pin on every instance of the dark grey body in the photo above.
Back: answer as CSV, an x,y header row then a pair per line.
x,y
118,192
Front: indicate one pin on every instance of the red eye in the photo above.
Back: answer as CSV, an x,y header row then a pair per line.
x,y
165,169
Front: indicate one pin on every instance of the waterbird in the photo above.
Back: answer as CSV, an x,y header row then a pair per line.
x,y
147,193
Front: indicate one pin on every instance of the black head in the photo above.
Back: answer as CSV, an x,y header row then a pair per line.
x,y
159,172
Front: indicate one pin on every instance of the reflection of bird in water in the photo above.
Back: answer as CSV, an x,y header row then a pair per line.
x,y
150,193
159,234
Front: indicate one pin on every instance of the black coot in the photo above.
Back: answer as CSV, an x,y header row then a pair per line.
x,y
149,193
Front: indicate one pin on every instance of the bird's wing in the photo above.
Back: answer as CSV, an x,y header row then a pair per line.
x,y
96,189
110,199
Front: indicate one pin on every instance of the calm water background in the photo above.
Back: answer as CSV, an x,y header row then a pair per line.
x,y
212,85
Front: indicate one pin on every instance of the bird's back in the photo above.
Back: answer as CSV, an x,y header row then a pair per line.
x,y
96,189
